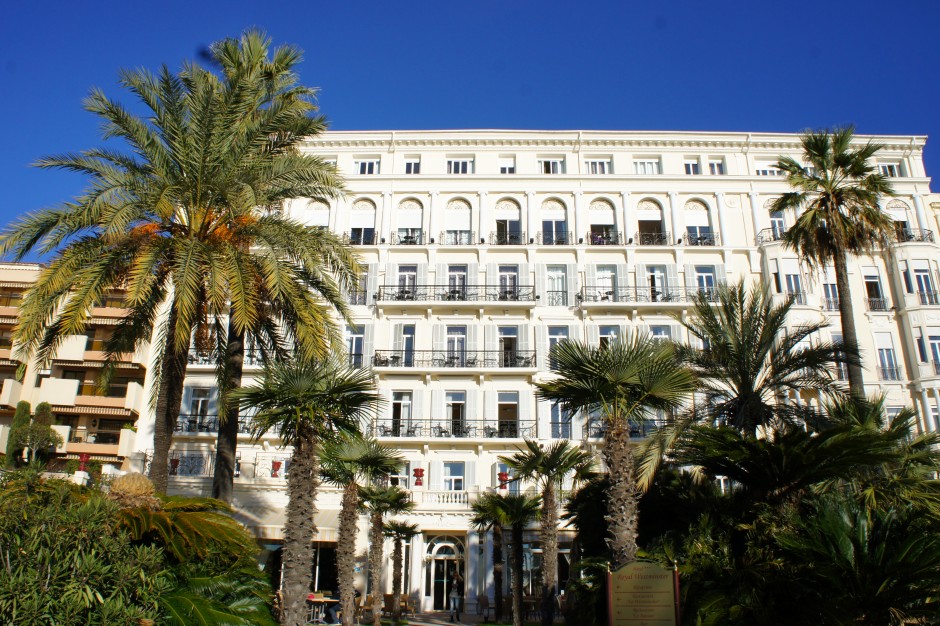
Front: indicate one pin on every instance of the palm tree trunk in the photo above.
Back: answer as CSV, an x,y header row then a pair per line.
x,y
515,564
397,558
169,399
223,479
498,570
346,552
376,545
303,479
624,496
549,531
847,319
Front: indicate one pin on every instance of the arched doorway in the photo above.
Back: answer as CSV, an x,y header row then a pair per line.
x,y
444,557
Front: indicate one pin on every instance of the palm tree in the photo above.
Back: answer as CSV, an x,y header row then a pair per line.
x,y
306,402
518,511
752,357
837,190
350,461
175,223
548,468
488,516
399,532
623,382
379,502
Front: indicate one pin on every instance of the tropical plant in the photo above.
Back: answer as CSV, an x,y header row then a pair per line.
x,y
836,192
306,402
518,511
378,502
20,419
176,223
487,516
398,532
624,383
350,461
36,439
548,468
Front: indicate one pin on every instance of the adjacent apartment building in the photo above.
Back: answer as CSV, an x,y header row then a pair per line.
x,y
483,248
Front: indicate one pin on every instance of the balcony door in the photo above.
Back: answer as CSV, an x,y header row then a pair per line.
x,y
508,345
656,279
557,292
606,277
508,414
508,282
457,282
456,346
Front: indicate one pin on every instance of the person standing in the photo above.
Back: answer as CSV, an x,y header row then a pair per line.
x,y
456,597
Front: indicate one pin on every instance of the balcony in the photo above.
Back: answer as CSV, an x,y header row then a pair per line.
x,y
770,235
208,358
597,429
361,239
468,359
452,294
447,498
877,304
209,423
554,239
604,238
508,239
889,373
408,239
454,429
357,297
653,239
457,238
798,297
928,298
556,298
908,235
709,239
605,294
831,304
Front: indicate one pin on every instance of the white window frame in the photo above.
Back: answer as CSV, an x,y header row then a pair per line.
x,y
552,165
460,166
413,165
716,167
598,166
367,167
647,167
890,170
507,165
692,167
453,482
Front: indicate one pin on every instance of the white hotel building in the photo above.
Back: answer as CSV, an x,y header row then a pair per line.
x,y
482,248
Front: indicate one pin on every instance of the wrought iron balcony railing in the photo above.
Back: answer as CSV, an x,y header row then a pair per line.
x,y
604,239
357,297
554,239
410,239
210,357
769,235
450,428
605,293
710,239
450,293
209,423
361,239
877,304
831,304
799,297
915,234
597,429
889,373
928,298
653,239
556,298
466,358
508,239
457,238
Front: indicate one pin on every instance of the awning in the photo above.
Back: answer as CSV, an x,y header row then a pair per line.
x,y
269,523
91,410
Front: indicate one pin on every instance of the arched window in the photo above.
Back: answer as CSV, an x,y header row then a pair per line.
x,y
651,230
900,212
508,216
554,223
318,213
603,225
457,223
698,226
362,222
408,222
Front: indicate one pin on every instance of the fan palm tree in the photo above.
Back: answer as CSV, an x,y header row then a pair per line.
x,y
349,462
398,532
517,511
175,223
379,502
623,382
306,402
836,194
487,515
548,468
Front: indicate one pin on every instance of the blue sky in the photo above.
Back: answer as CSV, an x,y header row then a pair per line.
x,y
670,65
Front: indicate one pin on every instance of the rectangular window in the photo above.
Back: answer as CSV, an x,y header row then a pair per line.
x,y
507,165
831,296
795,288
552,166
692,167
456,355
705,278
508,232
876,299
554,232
661,332
6,338
407,279
401,415
362,236
925,288
455,417
453,476
456,282
412,166
199,402
460,166
716,167
935,352
556,292
890,170
561,422
556,334
921,345
646,167
888,364
598,166
401,477
508,282
354,346
508,346
768,168
408,345
507,412
608,335
367,167
512,485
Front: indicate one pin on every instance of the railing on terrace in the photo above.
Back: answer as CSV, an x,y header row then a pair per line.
x,y
831,304
413,239
710,239
556,298
769,235
363,239
799,297
508,239
442,358
360,297
442,497
554,239
448,293
604,239
457,238
211,357
185,463
877,304
454,429
605,293
596,429
653,239
928,298
915,234
936,367
889,373
209,423
272,465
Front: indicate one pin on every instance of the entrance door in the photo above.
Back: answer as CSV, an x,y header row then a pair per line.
x,y
445,558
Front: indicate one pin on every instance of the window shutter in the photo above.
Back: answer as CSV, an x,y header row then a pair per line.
x,y
541,346
186,403
523,334
643,329
622,279
541,282
641,279
690,276
574,332
623,332
213,401
492,274
489,405
543,422
417,405
571,280
397,338
471,482
372,283
473,342
440,275
473,274
437,406
494,476
422,278
524,278
472,408
526,416
720,277
391,275
593,334
590,276
439,337
436,478
368,339
672,278
491,339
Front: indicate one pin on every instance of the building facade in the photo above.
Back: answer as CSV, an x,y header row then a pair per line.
x,y
481,249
